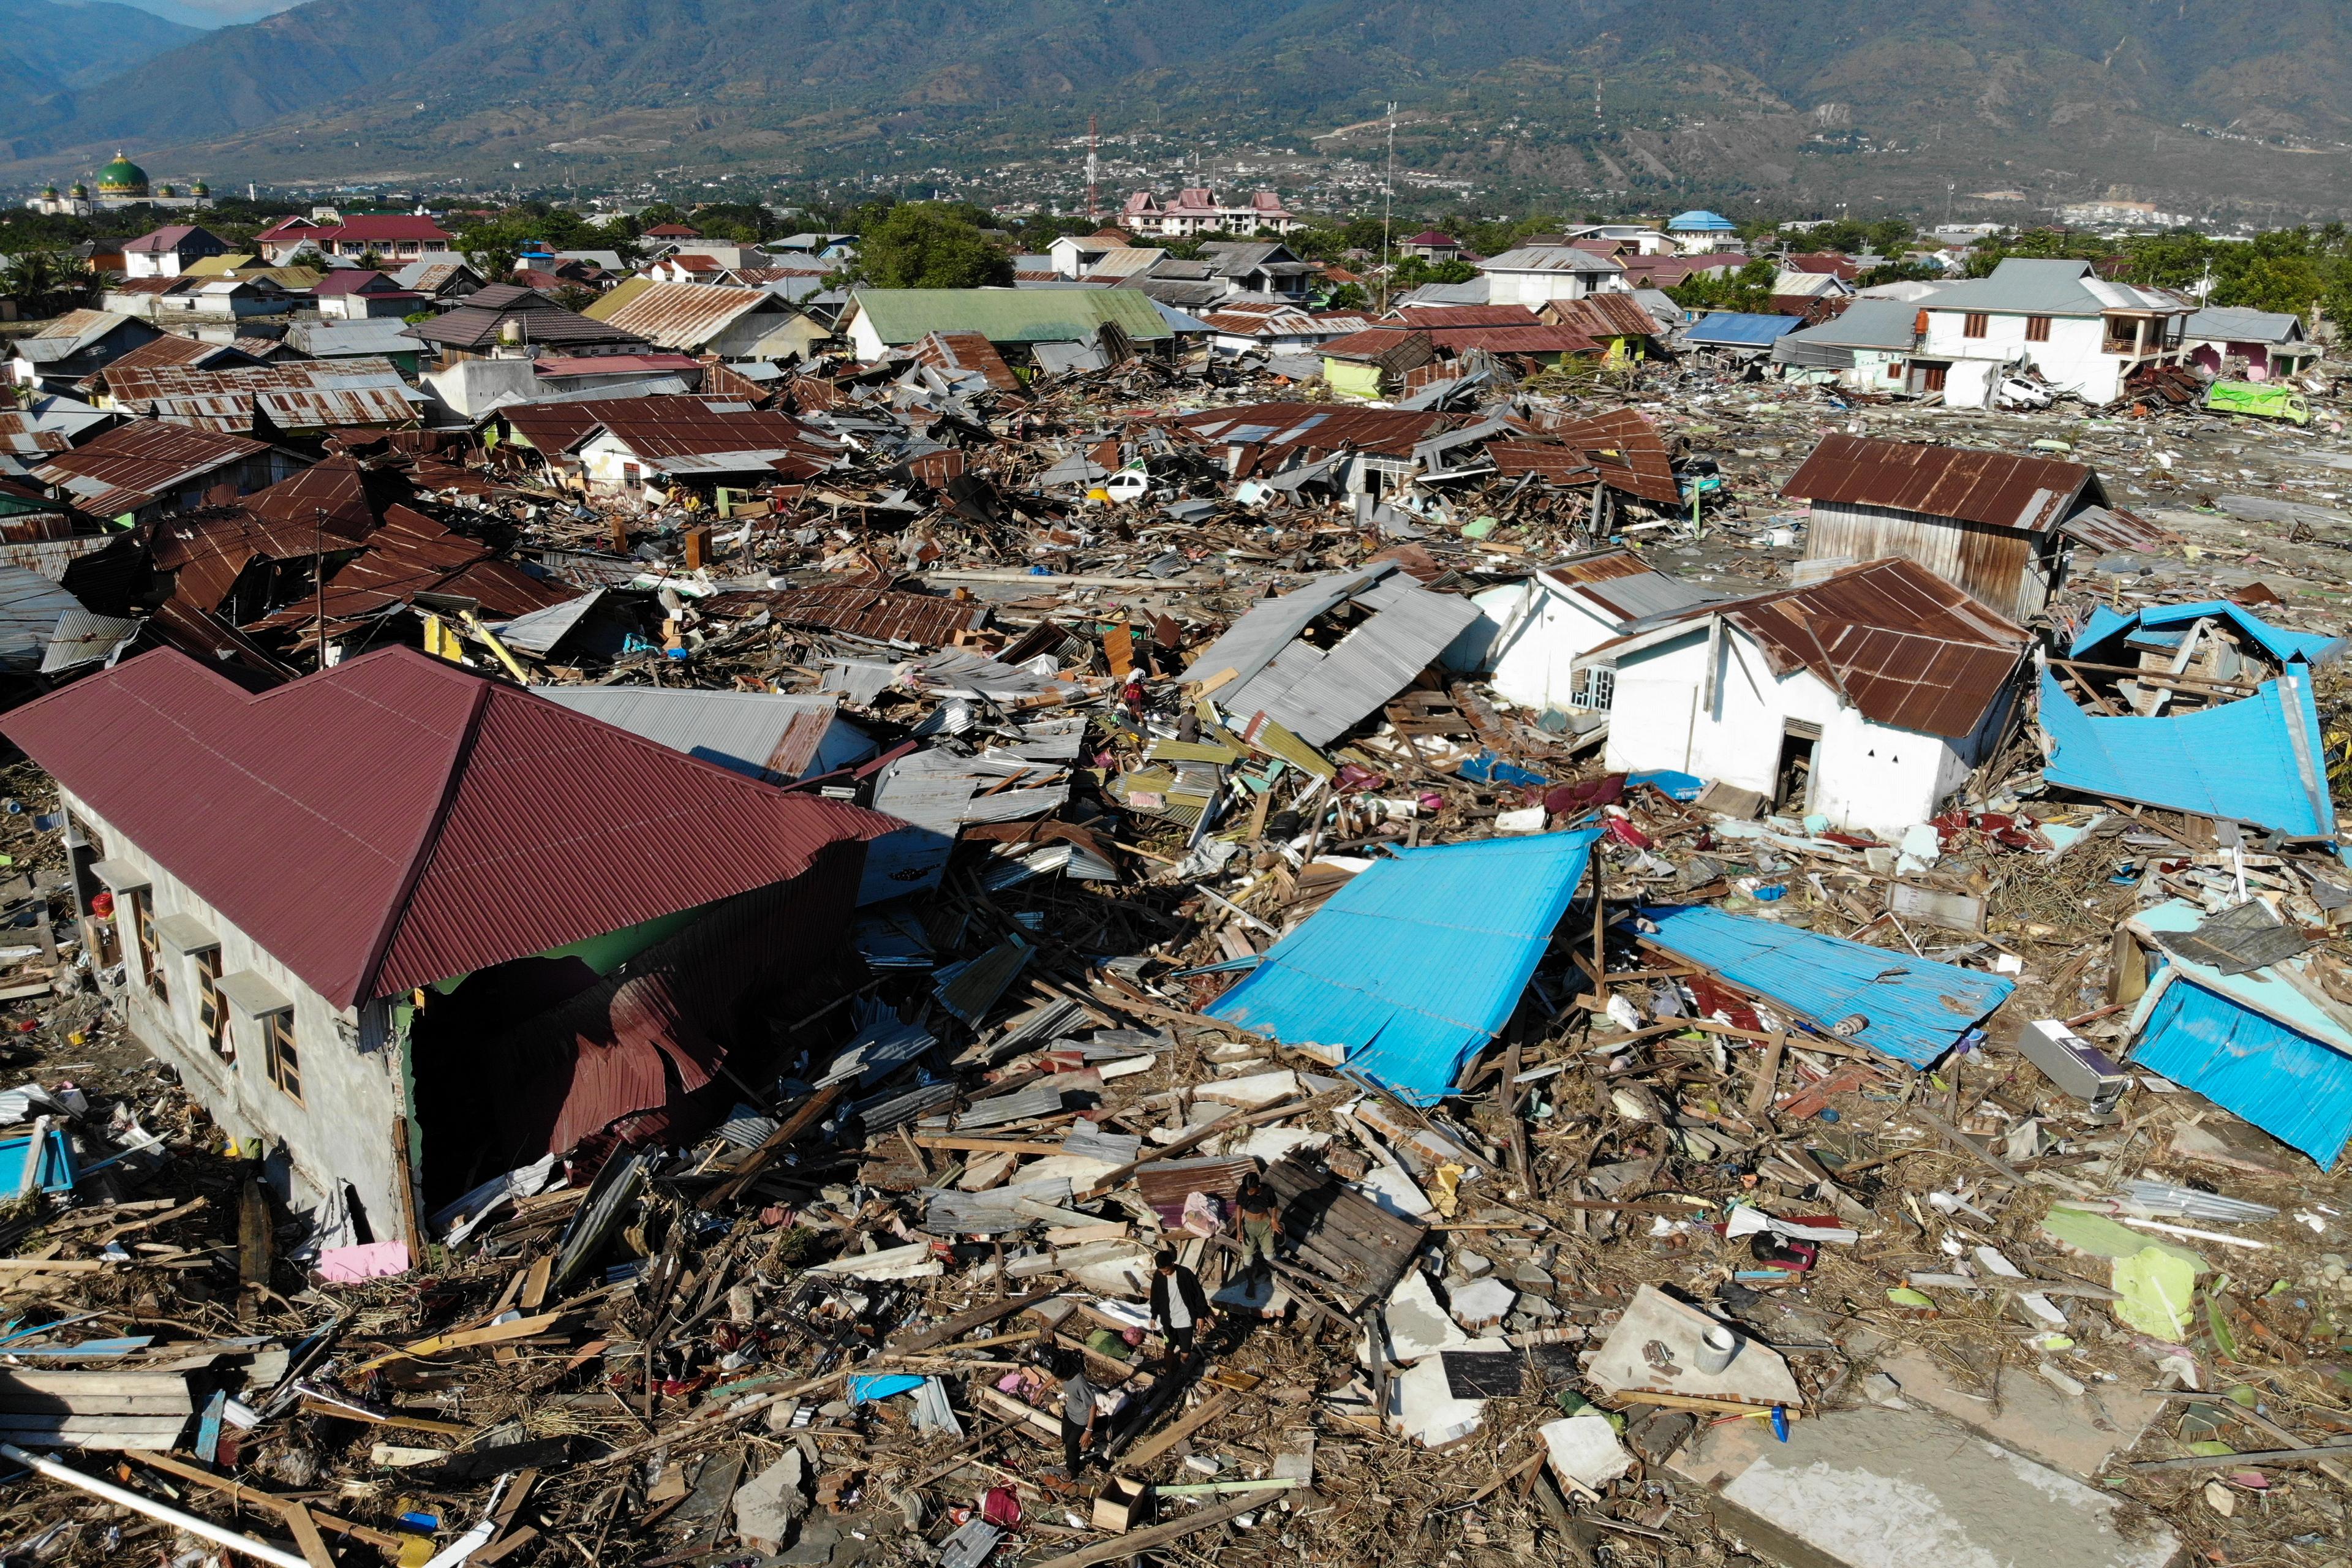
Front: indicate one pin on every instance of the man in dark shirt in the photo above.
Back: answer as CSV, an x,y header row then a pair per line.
x,y
1178,1306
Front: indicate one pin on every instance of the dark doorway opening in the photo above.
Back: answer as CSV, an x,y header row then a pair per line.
x,y
1792,777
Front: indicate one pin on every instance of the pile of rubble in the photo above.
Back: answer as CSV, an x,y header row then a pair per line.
x,y
1278,1060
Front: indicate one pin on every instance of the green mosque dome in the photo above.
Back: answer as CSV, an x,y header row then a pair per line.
x,y
123,178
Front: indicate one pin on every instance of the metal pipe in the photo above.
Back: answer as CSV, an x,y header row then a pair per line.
x,y
220,1535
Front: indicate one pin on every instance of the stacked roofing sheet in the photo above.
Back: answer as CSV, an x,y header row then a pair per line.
x,y
128,467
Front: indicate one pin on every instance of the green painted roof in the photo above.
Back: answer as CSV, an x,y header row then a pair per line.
x,y
1012,315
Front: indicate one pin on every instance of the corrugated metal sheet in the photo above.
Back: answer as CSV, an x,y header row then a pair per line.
x,y
521,826
1251,643
968,352
761,734
1915,1010
684,427
81,637
1902,645
1316,694
2289,1085
1627,449
147,457
1288,429
1009,315
2000,490
684,315
995,1213
1737,329
31,608
2260,759
1417,961
356,392
881,613
2286,647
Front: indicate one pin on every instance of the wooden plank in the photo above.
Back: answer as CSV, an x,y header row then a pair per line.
x,y
1767,1075
963,1322
1192,1421
489,1335
305,1532
986,1145
1141,1540
812,1110
1032,1418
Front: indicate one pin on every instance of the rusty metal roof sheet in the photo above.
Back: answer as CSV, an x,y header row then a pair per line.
x,y
881,613
1526,338
968,352
1435,316
1627,449
1903,646
679,426
1312,427
1610,315
421,821
142,459
1999,490
296,395
166,350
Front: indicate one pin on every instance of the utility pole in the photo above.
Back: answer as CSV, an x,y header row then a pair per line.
x,y
1094,160
1388,201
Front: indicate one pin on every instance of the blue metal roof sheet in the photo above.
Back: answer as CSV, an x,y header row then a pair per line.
x,y
1741,330
1917,1009
1419,959
2289,1085
2311,647
2258,760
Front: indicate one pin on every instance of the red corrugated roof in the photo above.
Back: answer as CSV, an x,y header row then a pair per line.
x,y
397,820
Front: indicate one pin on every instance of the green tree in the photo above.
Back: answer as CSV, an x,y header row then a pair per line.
x,y
48,282
1749,290
930,244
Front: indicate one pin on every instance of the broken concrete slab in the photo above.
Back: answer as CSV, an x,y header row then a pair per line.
x,y
1654,1349
1422,1405
1417,1326
2076,1435
1482,1303
1584,1450
769,1504
1886,1488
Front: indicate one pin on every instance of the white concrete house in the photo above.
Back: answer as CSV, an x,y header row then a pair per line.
x,y
169,251
1866,698
1866,349
412,936
1535,275
1530,634
2081,332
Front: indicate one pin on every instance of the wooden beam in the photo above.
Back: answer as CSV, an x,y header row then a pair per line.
x,y
811,1111
1141,1540
1184,1426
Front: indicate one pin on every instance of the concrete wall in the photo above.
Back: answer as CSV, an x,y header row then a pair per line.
x,y
352,1091
1866,775
1529,635
2072,361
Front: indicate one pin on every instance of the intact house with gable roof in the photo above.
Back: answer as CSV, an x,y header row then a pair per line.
x,y
401,928
1994,525
1867,698
2081,332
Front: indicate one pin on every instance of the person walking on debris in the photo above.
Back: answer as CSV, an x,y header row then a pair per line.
x,y
1259,1215
1078,1412
1178,1307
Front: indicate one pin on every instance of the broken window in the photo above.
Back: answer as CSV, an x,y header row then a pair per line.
x,y
285,1064
2037,329
151,951
1595,688
212,1007
1977,325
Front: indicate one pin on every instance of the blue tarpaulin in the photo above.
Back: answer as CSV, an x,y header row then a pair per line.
x,y
2259,759
1917,1010
1419,959
881,1385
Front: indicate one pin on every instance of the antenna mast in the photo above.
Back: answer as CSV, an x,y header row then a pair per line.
x,y
1094,155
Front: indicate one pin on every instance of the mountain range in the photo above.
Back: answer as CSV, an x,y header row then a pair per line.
x,y
1791,103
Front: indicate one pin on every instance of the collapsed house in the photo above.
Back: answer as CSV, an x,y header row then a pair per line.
x,y
2204,707
499,971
